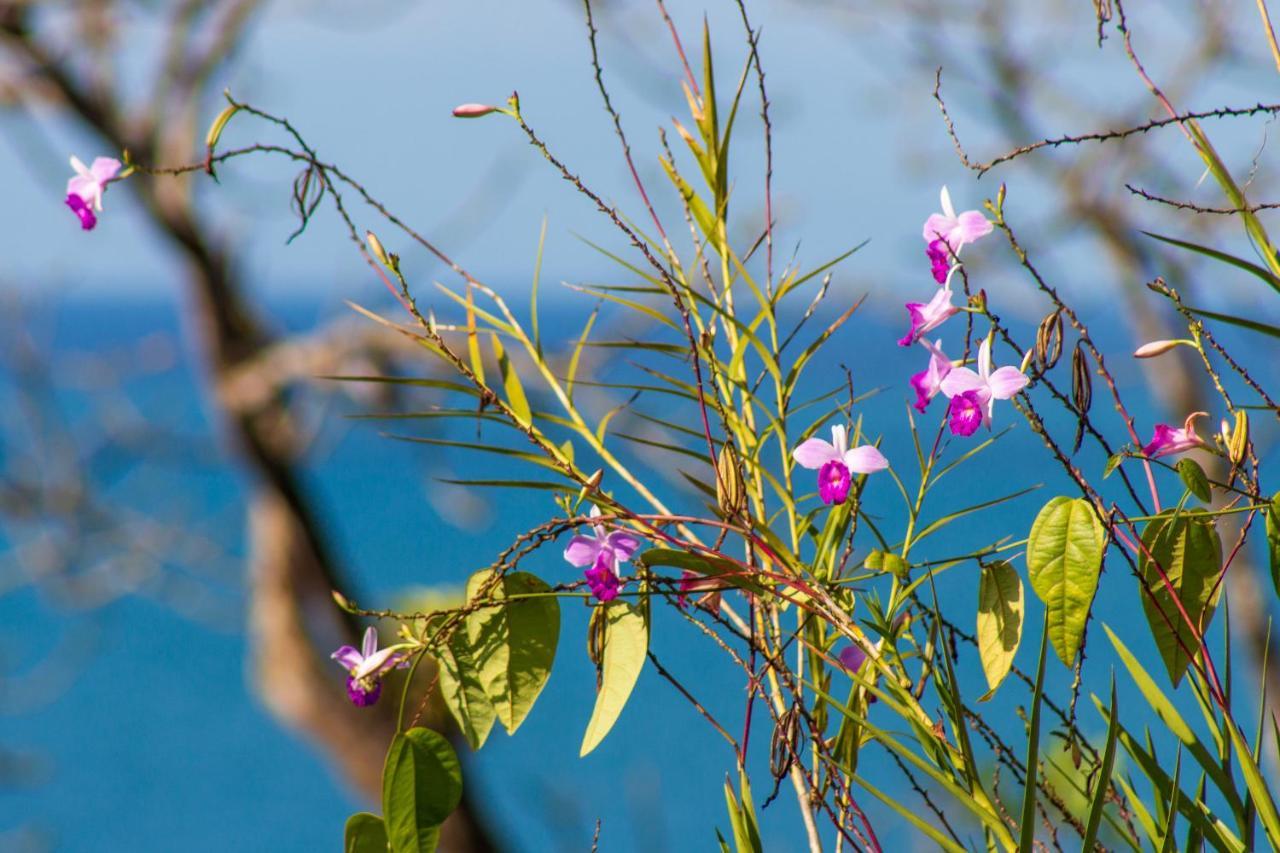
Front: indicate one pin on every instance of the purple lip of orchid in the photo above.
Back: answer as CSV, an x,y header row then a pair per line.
x,y
601,552
928,382
927,316
1168,440
939,260
954,230
85,188
601,579
82,210
367,665
979,390
836,462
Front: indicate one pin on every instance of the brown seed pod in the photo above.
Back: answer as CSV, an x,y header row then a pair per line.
x,y
1049,340
731,492
595,636
1081,380
782,747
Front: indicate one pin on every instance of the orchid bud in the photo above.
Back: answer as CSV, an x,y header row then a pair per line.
x,y
474,110
342,602
219,124
1026,361
1156,348
375,246
1238,446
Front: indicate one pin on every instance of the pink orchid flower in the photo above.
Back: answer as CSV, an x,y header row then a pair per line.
x,y
973,394
691,582
953,230
928,382
601,552
1168,440
367,665
925,317
836,462
85,188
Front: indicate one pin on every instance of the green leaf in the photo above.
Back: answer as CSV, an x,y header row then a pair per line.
x,y
516,399
1194,478
1027,837
421,786
1113,462
364,833
1064,558
1240,263
462,691
1186,545
1242,322
886,561
1273,540
513,643
1000,612
742,817
626,642
1103,778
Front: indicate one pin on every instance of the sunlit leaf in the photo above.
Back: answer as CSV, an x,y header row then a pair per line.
x,y
421,786
364,833
513,642
1064,558
1000,614
462,691
626,644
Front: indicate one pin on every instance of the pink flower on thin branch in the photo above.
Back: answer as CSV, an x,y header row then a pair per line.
x,y
474,110
928,382
927,316
85,188
601,552
1168,440
955,231
973,393
835,462
367,665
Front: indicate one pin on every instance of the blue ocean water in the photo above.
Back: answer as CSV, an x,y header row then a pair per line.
x,y
155,742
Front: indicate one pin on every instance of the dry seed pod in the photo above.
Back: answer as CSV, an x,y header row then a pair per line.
x,y
783,746
595,635
1049,340
1081,380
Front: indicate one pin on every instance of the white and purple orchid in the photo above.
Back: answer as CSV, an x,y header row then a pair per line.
x,y
973,393
367,665
953,230
1168,440
927,316
85,188
928,382
601,552
836,462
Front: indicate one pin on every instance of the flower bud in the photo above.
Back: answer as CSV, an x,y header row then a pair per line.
x,y
474,110
1156,348
1238,446
375,246
219,124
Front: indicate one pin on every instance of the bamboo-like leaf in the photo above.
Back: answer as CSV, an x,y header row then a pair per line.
x,y
516,399
1064,559
1000,614
626,644
1026,840
533,291
1103,778
1239,263
1242,322
577,351
1273,540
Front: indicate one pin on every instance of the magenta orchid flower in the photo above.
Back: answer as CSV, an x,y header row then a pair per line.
x,y
927,316
928,382
835,462
367,665
973,393
1168,440
601,553
955,231
85,188
939,260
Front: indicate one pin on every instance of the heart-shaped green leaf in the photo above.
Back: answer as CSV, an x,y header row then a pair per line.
x,y
626,643
1186,546
1000,612
1064,558
421,786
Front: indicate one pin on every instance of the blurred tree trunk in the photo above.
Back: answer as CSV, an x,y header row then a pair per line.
x,y
293,621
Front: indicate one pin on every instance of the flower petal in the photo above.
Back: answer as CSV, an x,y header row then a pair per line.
x,y
814,453
961,379
984,358
971,225
370,643
865,460
937,227
840,438
945,198
582,550
348,657
104,169
1006,382
623,545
